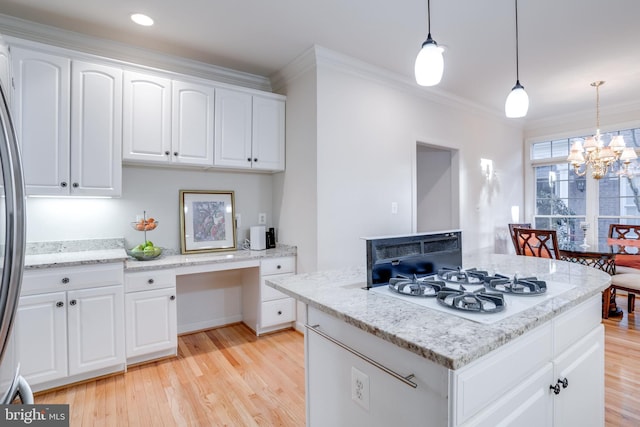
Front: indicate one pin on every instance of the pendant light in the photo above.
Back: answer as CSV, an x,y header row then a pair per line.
x,y
517,102
429,62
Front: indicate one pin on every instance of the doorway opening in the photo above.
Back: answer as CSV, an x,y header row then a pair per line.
x,y
437,188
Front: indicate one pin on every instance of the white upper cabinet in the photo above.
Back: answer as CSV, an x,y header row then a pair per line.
x,y
249,131
146,117
192,138
233,129
96,130
68,121
268,133
167,121
41,107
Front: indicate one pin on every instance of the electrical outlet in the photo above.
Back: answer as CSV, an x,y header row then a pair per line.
x,y
394,208
360,388
262,218
238,220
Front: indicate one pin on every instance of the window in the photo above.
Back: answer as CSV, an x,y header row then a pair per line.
x,y
565,201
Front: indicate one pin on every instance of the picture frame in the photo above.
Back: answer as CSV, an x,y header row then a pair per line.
x,y
207,221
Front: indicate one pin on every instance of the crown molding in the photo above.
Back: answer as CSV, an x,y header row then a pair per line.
x,y
616,117
302,64
358,68
35,32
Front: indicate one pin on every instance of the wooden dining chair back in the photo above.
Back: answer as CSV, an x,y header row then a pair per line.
x,y
537,243
513,235
624,241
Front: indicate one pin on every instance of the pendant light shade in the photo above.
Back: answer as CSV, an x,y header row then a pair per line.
x,y
429,62
517,103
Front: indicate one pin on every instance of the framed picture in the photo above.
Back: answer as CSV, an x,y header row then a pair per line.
x,y
207,221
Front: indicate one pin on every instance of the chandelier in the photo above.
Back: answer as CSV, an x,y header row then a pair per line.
x,y
594,154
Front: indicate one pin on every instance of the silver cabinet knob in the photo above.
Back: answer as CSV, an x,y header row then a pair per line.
x,y
65,280
150,281
73,302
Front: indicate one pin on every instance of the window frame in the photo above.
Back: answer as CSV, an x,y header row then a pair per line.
x,y
591,189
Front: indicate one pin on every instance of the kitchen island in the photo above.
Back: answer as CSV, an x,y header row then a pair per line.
x,y
374,360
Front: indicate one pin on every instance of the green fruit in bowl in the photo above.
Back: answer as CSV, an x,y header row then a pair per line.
x,y
137,249
148,251
157,251
148,243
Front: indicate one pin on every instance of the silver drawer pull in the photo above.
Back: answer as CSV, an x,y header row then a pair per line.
x,y
406,380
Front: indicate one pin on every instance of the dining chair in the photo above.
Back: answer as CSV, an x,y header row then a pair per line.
x,y
513,235
624,241
537,242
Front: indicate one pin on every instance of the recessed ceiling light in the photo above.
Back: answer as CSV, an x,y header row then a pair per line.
x,y
142,19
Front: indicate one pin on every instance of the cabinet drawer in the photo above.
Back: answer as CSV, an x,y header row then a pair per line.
x,y
36,281
267,293
278,266
146,280
277,311
578,322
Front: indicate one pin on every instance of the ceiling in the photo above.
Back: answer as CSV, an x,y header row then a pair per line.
x,y
564,45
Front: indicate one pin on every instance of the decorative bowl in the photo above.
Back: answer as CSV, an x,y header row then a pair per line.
x,y
145,224
145,256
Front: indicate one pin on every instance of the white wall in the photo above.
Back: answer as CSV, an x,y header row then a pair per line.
x,y
295,203
368,124
146,188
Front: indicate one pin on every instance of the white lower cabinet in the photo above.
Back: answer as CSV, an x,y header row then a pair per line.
x,y
265,309
551,376
95,328
41,337
151,315
70,324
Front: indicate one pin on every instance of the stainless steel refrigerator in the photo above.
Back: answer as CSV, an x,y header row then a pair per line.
x,y
12,238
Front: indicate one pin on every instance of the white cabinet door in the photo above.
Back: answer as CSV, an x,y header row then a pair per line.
x,y
151,321
581,403
95,328
233,129
41,337
527,405
41,107
268,133
192,124
96,130
146,118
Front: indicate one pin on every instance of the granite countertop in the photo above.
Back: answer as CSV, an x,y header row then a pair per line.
x,y
98,251
444,338
174,261
74,252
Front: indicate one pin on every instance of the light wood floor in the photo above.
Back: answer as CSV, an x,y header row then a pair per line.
x,y
221,377
228,377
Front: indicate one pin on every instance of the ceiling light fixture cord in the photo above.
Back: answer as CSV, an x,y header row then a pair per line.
x,y
517,50
428,19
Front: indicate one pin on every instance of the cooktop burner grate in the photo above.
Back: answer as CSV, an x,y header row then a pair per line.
x,y
414,286
528,286
478,301
459,276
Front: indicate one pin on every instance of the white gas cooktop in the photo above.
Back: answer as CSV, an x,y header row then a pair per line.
x,y
514,304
